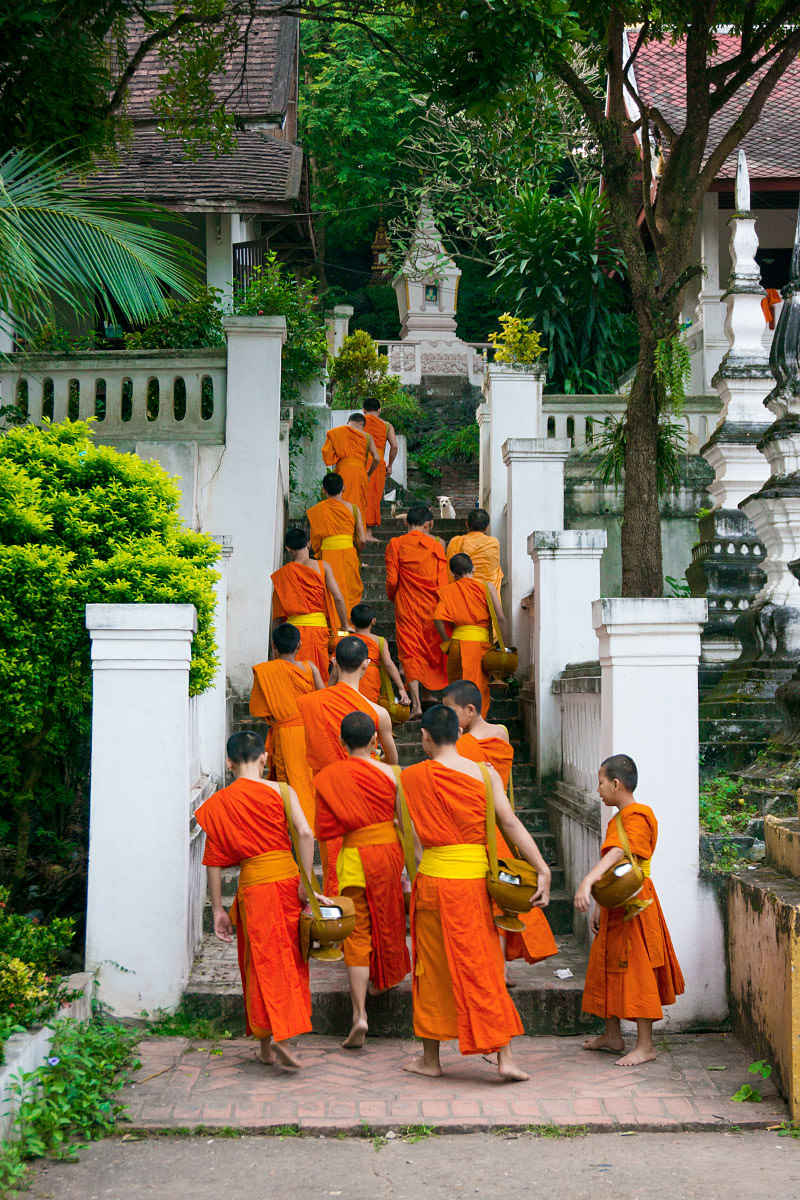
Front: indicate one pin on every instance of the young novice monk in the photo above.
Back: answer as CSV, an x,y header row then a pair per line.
x,y
305,593
483,742
464,606
357,801
362,618
632,965
245,826
458,986
277,685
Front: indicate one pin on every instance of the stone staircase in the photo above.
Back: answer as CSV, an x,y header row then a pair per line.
x,y
547,1004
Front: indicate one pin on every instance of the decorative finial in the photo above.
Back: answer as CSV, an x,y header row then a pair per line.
x,y
742,184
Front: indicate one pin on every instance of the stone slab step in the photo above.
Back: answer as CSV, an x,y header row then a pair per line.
x,y
546,1004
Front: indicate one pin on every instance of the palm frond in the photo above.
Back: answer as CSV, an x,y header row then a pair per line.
x,y
61,243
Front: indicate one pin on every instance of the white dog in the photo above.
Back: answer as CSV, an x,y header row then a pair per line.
x,y
445,507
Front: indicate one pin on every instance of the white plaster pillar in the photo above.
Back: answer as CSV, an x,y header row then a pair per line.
x,y
241,496
484,454
515,411
535,500
137,909
709,306
219,252
566,572
649,652
337,327
212,709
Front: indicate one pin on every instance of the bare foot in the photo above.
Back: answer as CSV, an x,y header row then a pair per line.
x,y
605,1042
370,538
511,1073
415,714
511,983
637,1056
418,1066
267,1057
356,1037
285,1057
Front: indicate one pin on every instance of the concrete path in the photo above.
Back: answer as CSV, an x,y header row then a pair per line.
x,y
645,1166
183,1084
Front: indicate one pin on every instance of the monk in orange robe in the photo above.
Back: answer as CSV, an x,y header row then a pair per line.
x,y
458,986
415,570
481,548
305,593
276,687
464,623
357,801
632,967
381,433
363,620
336,532
482,742
323,713
351,452
245,826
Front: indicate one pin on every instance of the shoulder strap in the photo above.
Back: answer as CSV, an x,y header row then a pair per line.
x,y
510,775
307,884
491,821
498,637
623,837
387,691
406,830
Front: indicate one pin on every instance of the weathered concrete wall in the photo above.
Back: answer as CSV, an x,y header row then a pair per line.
x,y
763,949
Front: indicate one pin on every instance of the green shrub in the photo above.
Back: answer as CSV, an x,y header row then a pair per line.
x,y
274,291
358,371
79,524
40,945
723,808
459,445
188,325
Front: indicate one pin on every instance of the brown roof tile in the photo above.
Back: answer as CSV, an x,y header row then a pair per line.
x,y
772,146
261,171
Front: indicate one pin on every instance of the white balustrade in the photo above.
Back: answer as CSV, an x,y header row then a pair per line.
x,y
580,736
581,417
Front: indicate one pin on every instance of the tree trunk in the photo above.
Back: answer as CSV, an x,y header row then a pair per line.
x,y
642,573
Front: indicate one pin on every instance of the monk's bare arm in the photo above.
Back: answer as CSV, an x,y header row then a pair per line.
x,y
392,572
373,449
360,531
517,835
305,843
336,592
498,608
223,929
385,736
391,438
319,683
440,629
583,896
394,674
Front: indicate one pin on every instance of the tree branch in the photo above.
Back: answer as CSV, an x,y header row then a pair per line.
x,y
755,41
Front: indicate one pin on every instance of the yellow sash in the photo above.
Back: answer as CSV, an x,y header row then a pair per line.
x,y
379,834
337,541
267,868
349,870
470,633
644,863
316,619
461,861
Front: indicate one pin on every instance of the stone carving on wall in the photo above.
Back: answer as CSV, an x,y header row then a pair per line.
x,y
444,364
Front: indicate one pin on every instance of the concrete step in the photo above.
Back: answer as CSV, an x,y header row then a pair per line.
x,y
546,1004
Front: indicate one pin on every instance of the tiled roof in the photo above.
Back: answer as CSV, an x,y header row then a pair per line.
x,y
262,170
772,146
259,92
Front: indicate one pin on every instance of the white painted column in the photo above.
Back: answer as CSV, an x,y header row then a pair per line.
x,y
219,253
338,327
212,704
484,455
138,901
535,500
515,411
566,572
709,306
649,651
241,496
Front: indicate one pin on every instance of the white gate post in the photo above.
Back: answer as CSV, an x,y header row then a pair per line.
x,y
137,935
566,571
514,400
649,651
535,500
212,704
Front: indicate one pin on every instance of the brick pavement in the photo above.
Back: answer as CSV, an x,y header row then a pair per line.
x,y
185,1084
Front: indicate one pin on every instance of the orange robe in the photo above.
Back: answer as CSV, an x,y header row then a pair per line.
x,y
276,688
415,571
632,967
323,713
458,981
536,941
484,552
356,802
332,519
243,822
377,480
370,685
464,603
297,591
345,450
